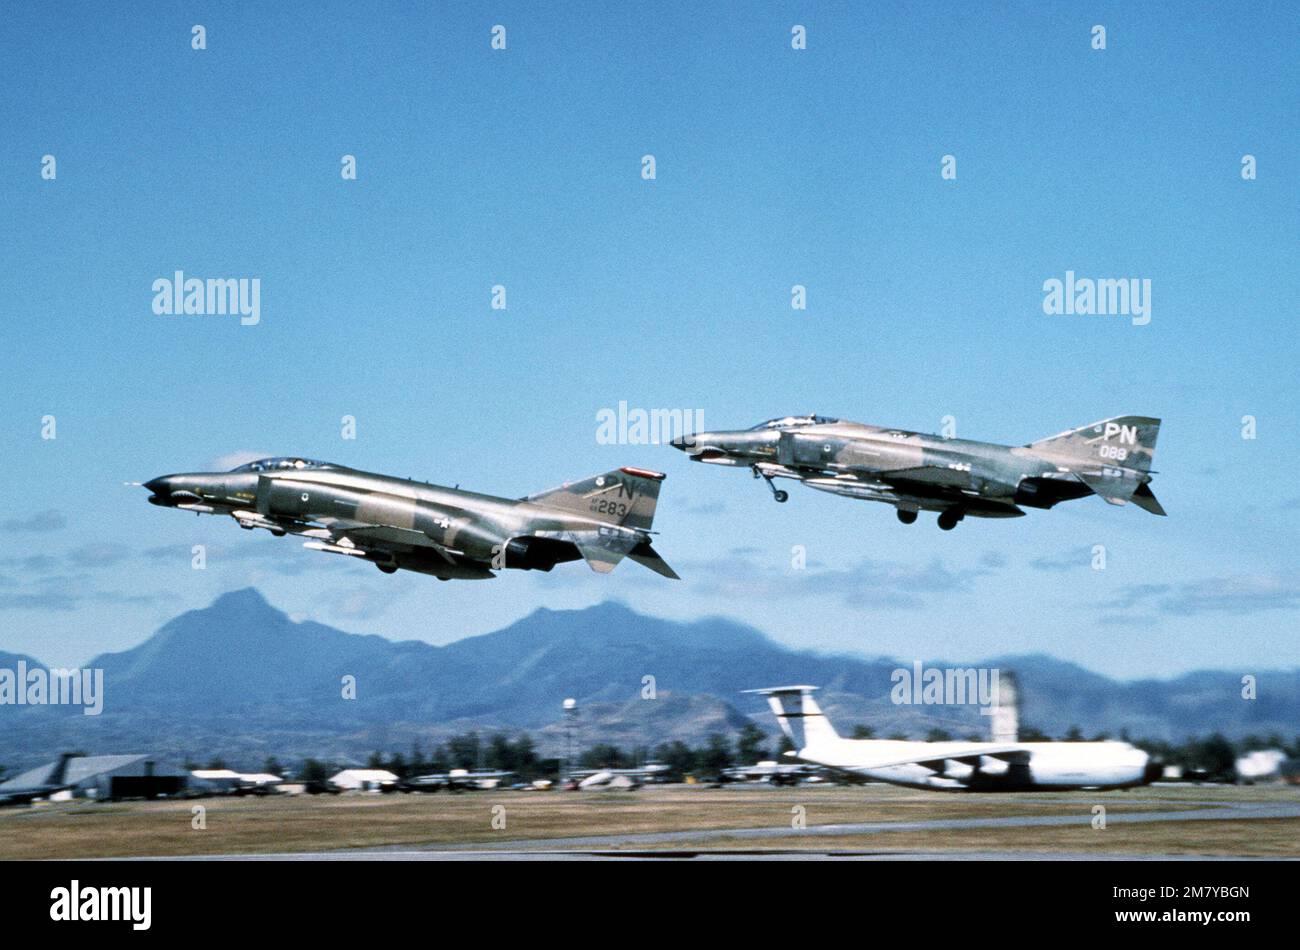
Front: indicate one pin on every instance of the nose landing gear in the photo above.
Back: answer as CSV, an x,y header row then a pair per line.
x,y
906,516
780,496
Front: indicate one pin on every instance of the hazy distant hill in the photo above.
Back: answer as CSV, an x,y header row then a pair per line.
x,y
241,680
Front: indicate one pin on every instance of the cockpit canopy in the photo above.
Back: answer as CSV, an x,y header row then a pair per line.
x,y
786,422
285,463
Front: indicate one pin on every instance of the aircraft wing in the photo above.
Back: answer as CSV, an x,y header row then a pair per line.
x,y
922,484
341,536
935,476
854,478
930,482
1016,754
377,535
247,518
931,495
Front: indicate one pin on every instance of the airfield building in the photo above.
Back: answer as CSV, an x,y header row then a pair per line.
x,y
1262,765
365,780
100,777
227,781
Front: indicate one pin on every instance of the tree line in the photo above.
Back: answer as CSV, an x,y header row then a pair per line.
x,y
1211,757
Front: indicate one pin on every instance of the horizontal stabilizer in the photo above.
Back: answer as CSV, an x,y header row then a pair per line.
x,y
647,556
1145,498
1114,485
603,552
1119,486
781,690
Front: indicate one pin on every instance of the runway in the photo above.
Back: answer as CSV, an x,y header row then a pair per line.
x,y
497,854
695,844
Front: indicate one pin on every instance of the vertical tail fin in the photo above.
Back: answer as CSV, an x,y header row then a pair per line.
x,y
1112,457
625,497
799,716
1125,441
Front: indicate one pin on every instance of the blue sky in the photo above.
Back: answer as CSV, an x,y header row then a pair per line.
x,y
775,167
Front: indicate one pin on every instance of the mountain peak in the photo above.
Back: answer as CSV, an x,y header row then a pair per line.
x,y
243,599
238,678
609,610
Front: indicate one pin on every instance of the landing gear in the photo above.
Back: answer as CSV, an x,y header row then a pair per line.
x,y
781,496
906,516
948,519
386,568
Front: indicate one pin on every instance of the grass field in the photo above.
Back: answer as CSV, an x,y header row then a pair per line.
x,y
305,823
1261,838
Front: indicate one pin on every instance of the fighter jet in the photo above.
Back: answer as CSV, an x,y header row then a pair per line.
x,y
590,779
771,772
449,533
955,477
1002,765
457,780
38,783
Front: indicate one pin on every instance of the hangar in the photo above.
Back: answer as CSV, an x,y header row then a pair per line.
x,y
98,777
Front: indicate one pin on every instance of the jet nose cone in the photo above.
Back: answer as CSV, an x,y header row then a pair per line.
x,y
683,442
160,485
160,489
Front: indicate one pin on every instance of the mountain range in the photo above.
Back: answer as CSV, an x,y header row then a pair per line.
x,y
242,681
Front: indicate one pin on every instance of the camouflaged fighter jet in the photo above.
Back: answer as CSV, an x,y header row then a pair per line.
x,y
955,477
398,523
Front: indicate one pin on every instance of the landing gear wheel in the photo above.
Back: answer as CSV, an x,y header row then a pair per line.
x,y
948,519
780,496
387,568
907,517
